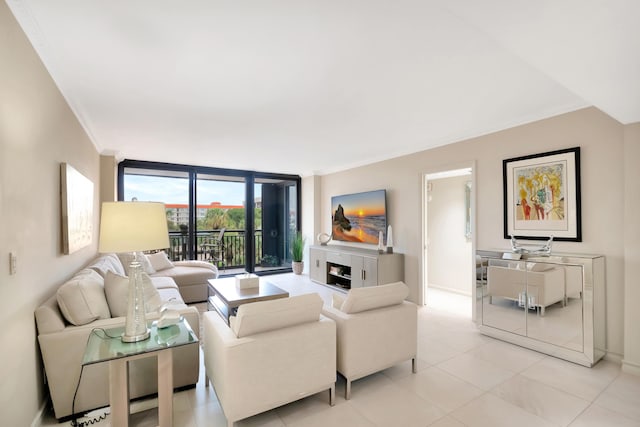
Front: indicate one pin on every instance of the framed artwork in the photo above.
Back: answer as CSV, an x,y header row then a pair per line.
x,y
77,209
542,196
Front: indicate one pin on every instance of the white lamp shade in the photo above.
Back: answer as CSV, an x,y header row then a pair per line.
x,y
133,226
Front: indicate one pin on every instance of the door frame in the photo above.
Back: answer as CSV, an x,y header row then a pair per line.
x,y
426,176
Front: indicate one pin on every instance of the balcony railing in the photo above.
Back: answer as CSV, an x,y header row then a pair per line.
x,y
233,244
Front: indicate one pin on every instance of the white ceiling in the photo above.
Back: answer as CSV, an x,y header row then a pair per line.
x,y
302,86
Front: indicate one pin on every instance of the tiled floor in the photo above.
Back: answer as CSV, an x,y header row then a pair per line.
x,y
463,379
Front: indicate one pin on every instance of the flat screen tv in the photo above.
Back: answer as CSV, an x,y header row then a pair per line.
x,y
359,217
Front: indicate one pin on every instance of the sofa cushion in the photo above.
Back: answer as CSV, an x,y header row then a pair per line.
x,y
82,299
363,299
265,316
186,276
127,257
107,262
116,288
171,296
159,261
163,282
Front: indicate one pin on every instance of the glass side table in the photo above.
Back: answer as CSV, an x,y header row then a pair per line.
x,y
102,348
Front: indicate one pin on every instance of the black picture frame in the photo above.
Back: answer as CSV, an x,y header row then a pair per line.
x,y
542,196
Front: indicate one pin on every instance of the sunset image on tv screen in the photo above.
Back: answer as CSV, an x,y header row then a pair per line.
x,y
359,217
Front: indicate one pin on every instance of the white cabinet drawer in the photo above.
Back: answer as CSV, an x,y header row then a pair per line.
x,y
339,258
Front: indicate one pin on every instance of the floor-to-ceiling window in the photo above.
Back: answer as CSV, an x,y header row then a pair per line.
x,y
237,220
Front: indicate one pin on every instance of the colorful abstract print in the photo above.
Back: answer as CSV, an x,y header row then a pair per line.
x,y
540,192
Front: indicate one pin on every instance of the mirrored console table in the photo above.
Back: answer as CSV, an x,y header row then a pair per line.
x,y
554,304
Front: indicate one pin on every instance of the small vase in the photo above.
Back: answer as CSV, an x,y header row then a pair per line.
x,y
297,267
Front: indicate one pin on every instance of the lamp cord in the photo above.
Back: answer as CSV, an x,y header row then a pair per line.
x,y
95,420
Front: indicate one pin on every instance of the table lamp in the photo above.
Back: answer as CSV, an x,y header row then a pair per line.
x,y
134,227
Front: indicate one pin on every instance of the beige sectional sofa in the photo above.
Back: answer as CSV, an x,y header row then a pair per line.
x,y
81,306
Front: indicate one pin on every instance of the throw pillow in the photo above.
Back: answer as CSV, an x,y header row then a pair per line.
x,y
144,262
107,262
363,299
159,261
152,299
127,257
116,288
82,299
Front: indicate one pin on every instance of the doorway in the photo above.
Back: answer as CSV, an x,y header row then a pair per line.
x,y
449,241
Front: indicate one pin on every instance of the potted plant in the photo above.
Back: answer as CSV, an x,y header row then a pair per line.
x,y
297,249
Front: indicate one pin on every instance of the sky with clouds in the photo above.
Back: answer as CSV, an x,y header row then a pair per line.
x,y
176,190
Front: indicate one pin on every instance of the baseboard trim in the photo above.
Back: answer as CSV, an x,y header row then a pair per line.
x,y
613,357
39,418
630,367
452,290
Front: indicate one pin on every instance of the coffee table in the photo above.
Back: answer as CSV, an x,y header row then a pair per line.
x,y
225,297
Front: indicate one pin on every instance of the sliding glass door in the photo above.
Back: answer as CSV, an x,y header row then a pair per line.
x,y
276,222
220,220
238,220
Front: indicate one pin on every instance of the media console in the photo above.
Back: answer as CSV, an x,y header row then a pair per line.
x,y
347,267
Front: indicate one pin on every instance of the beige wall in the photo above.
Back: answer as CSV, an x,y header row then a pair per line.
x,y
601,142
631,362
448,246
108,179
310,220
37,132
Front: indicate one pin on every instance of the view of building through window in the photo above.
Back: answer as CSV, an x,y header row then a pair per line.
x,y
220,204
217,225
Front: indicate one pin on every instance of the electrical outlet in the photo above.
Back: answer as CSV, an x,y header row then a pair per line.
x,y
13,263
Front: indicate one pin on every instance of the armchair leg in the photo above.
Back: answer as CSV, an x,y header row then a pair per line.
x,y
332,395
347,390
414,365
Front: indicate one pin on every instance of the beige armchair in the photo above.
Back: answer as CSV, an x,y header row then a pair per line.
x,y
273,352
376,329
